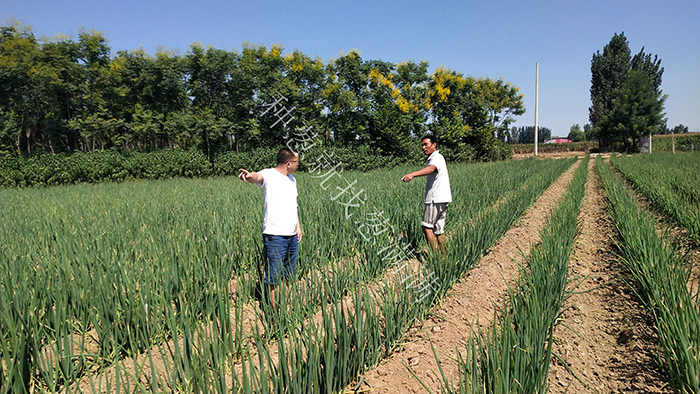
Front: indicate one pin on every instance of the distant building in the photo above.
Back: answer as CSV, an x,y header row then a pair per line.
x,y
557,140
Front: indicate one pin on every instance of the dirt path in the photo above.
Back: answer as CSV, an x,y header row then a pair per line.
x,y
606,336
470,301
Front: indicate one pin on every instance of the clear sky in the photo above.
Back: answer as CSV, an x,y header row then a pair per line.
x,y
497,39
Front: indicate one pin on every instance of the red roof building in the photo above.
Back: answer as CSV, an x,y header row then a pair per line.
x,y
557,141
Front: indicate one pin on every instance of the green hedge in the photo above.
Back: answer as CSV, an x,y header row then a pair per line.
x,y
102,166
360,158
115,166
684,142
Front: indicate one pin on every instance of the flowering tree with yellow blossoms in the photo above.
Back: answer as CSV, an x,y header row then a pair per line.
x,y
471,115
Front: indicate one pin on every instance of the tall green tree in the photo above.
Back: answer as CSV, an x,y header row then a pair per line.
x,y
626,98
501,100
244,88
678,129
347,98
636,112
63,92
304,80
609,71
588,130
411,79
211,85
398,112
576,134
526,134
21,93
98,118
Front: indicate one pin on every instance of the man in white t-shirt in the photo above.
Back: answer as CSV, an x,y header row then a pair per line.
x,y
281,228
437,193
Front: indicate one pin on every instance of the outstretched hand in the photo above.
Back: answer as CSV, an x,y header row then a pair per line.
x,y
407,178
244,175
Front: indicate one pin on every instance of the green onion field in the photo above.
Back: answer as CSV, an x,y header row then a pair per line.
x,y
154,286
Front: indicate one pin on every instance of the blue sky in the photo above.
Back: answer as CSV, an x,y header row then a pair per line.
x,y
497,39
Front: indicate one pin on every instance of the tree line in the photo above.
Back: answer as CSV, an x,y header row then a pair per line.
x,y
65,95
526,134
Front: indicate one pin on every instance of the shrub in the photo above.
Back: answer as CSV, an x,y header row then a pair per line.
x,y
113,165
684,142
100,166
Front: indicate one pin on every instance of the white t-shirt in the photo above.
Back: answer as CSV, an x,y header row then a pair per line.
x,y
437,186
280,193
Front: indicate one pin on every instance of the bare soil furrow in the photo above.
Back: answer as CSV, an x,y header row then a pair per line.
x,y
606,337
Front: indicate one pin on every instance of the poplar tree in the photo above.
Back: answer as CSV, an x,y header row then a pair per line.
x,y
626,98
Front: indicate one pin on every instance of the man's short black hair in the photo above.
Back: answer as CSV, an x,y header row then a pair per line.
x,y
285,155
432,138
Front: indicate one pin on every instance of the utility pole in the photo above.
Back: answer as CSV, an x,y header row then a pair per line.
x,y
537,86
673,143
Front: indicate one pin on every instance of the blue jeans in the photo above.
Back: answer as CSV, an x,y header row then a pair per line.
x,y
281,253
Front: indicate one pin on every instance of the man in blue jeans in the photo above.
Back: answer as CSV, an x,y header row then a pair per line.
x,y
281,228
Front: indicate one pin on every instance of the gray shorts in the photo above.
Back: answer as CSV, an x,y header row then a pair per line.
x,y
434,217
